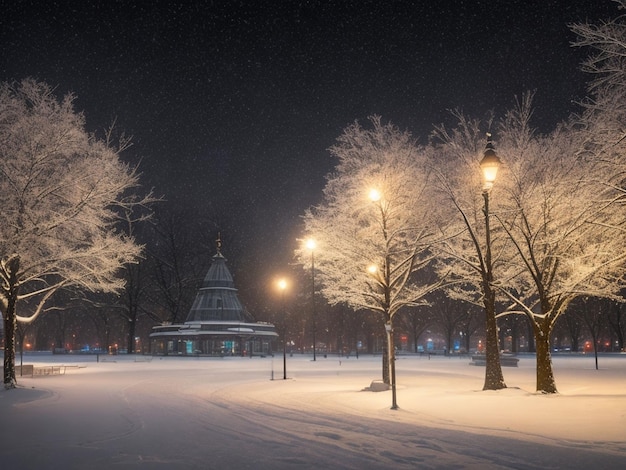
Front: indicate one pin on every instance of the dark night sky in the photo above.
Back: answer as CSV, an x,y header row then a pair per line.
x,y
232,104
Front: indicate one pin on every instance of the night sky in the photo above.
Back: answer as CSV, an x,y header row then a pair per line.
x,y
233,104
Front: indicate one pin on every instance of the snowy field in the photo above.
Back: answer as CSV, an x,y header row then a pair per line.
x,y
206,413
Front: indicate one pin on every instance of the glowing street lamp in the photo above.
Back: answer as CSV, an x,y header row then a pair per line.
x,y
282,286
489,165
374,195
494,379
311,245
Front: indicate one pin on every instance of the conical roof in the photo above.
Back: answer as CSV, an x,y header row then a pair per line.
x,y
217,299
218,274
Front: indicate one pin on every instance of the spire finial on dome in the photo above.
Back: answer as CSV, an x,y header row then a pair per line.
x,y
218,243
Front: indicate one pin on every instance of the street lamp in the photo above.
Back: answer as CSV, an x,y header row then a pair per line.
x,y
494,379
489,165
374,195
311,245
282,286
392,362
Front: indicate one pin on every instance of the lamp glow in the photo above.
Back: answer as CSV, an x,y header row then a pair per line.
x,y
490,163
374,195
311,244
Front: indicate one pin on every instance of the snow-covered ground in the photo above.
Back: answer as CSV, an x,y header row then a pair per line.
x,y
207,413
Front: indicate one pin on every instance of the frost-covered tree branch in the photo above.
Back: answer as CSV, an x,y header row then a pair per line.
x,y
63,192
374,253
560,223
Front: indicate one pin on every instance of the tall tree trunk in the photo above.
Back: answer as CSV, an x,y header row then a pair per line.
x,y
10,325
494,380
595,351
545,374
10,322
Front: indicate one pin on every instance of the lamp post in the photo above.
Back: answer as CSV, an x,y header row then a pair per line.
x,y
494,379
311,245
282,286
392,362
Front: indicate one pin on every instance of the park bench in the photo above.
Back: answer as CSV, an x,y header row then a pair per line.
x,y
31,370
506,360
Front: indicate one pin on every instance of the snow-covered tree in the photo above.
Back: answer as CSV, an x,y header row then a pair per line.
x,y
472,248
563,227
568,232
608,42
376,225
63,191
604,119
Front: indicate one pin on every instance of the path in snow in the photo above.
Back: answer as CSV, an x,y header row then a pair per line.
x,y
186,413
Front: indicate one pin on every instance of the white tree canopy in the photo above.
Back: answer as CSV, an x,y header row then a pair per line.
x,y
393,233
560,230
63,191
604,119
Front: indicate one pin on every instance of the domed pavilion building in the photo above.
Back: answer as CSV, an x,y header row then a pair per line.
x,y
217,324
